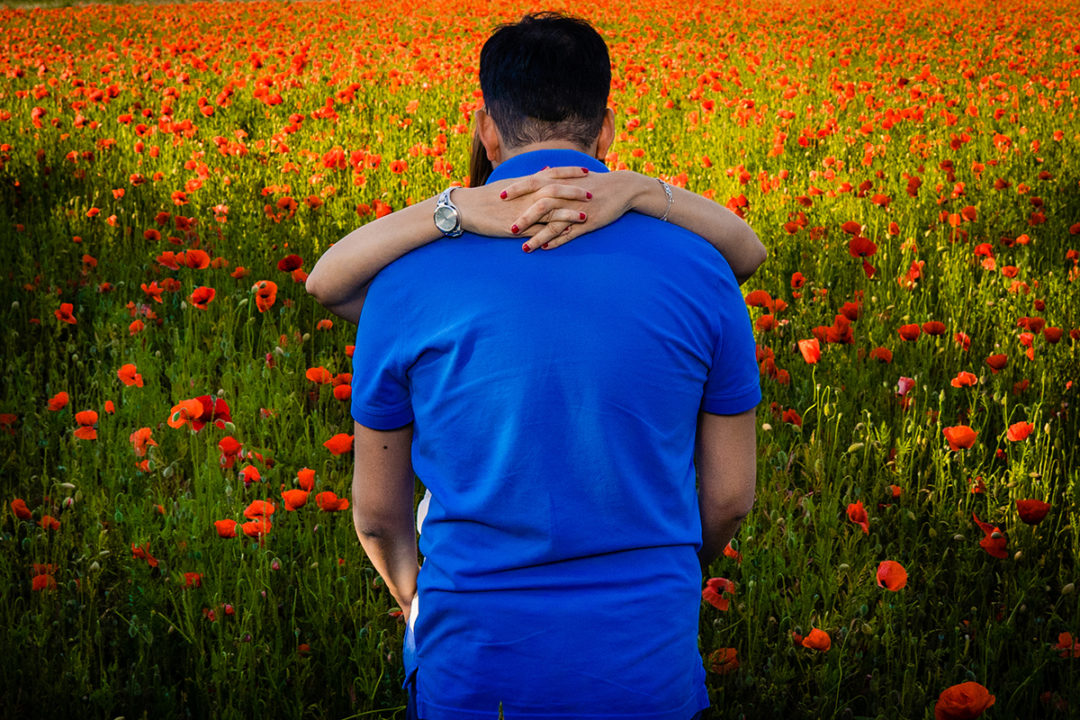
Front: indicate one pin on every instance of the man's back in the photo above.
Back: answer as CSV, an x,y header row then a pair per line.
x,y
555,399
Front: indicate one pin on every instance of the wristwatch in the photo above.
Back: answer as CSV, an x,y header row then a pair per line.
x,y
447,217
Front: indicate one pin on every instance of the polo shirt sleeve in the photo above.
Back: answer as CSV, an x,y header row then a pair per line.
x,y
733,384
381,398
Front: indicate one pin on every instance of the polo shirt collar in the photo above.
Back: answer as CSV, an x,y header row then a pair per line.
x,y
535,161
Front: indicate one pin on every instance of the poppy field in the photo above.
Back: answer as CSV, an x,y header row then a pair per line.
x,y
176,538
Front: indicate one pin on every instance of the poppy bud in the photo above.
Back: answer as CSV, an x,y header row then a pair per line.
x,y
1067,589
15,305
94,566
766,427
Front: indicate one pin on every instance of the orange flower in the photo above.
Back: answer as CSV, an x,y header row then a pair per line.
x,y
723,661
342,392
340,443
49,522
817,640
43,581
182,413
225,528
58,401
197,259
960,437
152,291
143,553
259,508
1068,646
328,501
192,579
962,702
258,527
64,314
135,327
857,514
294,499
713,592
202,296
993,541
811,350
250,474
963,379
129,376
318,375
324,324
891,575
265,294
18,506
997,362
306,477
1032,511
1019,431
141,440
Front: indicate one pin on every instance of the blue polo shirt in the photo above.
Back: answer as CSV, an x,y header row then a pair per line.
x,y
554,399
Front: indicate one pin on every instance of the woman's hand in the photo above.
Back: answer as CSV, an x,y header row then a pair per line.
x,y
539,206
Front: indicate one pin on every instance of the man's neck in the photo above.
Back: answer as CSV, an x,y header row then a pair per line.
x,y
547,145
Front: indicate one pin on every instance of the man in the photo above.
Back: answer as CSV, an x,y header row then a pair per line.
x,y
552,403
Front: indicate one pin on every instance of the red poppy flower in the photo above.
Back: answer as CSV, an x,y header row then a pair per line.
x,y
997,362
857,514
18,506
58,401
182,413
64,314
960,437
881,354
933,327
141,440
265,294
792,417
963,379
143,553
294,499
306,478
1032,511
811,350
759,298
1068,646
230,448
192,579
324,324
817,640
197,259
202,296
891,575
1019,431
153,291
129,375
259,508
1053,334
289,263
861,247
851,227
962,340
723,661
258,527
43,581
318,375
212,409
250,474
225,528
340,443
993,541
342,392
730,552
714,590
330,502
910,332
962,702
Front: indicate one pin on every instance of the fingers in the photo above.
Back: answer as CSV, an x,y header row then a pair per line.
x,y
548,210
548,236
546,184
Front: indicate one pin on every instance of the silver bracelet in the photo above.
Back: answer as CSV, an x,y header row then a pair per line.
x,y
667,191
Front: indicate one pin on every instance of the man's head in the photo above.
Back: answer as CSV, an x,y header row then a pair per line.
x,y
545,80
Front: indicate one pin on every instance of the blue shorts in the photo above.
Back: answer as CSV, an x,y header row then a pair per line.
x,y
410,712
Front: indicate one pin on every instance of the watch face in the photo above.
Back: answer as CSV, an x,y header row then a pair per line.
x,y
445,218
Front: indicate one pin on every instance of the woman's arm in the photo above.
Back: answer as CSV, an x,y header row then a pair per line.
x,y
340,278
621,191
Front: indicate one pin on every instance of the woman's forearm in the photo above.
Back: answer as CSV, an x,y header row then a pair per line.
x,y
724,230
340,278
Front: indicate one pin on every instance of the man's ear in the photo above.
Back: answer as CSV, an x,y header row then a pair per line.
x,y
489,135
607,135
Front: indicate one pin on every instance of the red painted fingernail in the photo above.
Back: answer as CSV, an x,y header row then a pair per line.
x,y
582,216
584,170
588,195
503,194
514,229
525,248
545,245
546,167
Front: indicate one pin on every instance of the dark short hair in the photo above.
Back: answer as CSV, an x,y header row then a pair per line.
x,y
546,77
